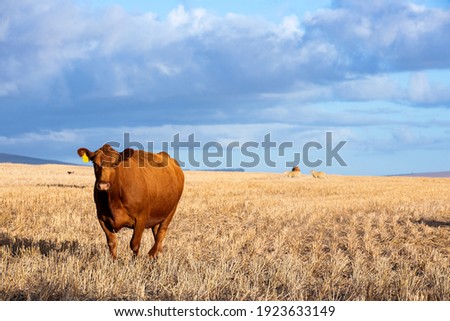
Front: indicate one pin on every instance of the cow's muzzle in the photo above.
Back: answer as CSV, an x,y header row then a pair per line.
x,y
103,186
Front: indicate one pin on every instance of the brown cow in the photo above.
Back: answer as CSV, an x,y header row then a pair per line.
x,y
318,174
295,172
135,189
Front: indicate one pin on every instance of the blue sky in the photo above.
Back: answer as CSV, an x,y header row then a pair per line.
x,y
375,74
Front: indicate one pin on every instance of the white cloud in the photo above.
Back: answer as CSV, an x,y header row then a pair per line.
x,y
4,27
422,91
290,28
7,89
389,138
378,87
194,22
63,136
419,91
383,36
344,52
420,88
166,69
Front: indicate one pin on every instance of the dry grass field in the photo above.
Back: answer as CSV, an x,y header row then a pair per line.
x,y
236,236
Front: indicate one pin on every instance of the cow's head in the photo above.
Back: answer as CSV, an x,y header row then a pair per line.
x,y
106,160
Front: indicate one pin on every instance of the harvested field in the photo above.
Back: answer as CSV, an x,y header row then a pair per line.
x,y
236,236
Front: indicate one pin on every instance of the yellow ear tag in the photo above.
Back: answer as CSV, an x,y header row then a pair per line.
x,y
85,158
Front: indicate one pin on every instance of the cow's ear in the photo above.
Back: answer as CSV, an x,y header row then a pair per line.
x,y
127,153
85,154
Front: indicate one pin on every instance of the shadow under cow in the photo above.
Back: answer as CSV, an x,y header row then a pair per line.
x,y
432,223
18,245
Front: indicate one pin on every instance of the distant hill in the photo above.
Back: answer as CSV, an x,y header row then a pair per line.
x,y
226,170
431,174
222,170
18,159
218,170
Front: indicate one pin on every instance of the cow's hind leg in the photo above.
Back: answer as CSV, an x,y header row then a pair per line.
x,y
160,233
111,239
155,231
135,242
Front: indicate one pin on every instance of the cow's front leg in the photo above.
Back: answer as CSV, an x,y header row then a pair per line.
x,y
111,239
135,242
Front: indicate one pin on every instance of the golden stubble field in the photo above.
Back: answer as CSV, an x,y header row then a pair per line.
x,y
236,236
